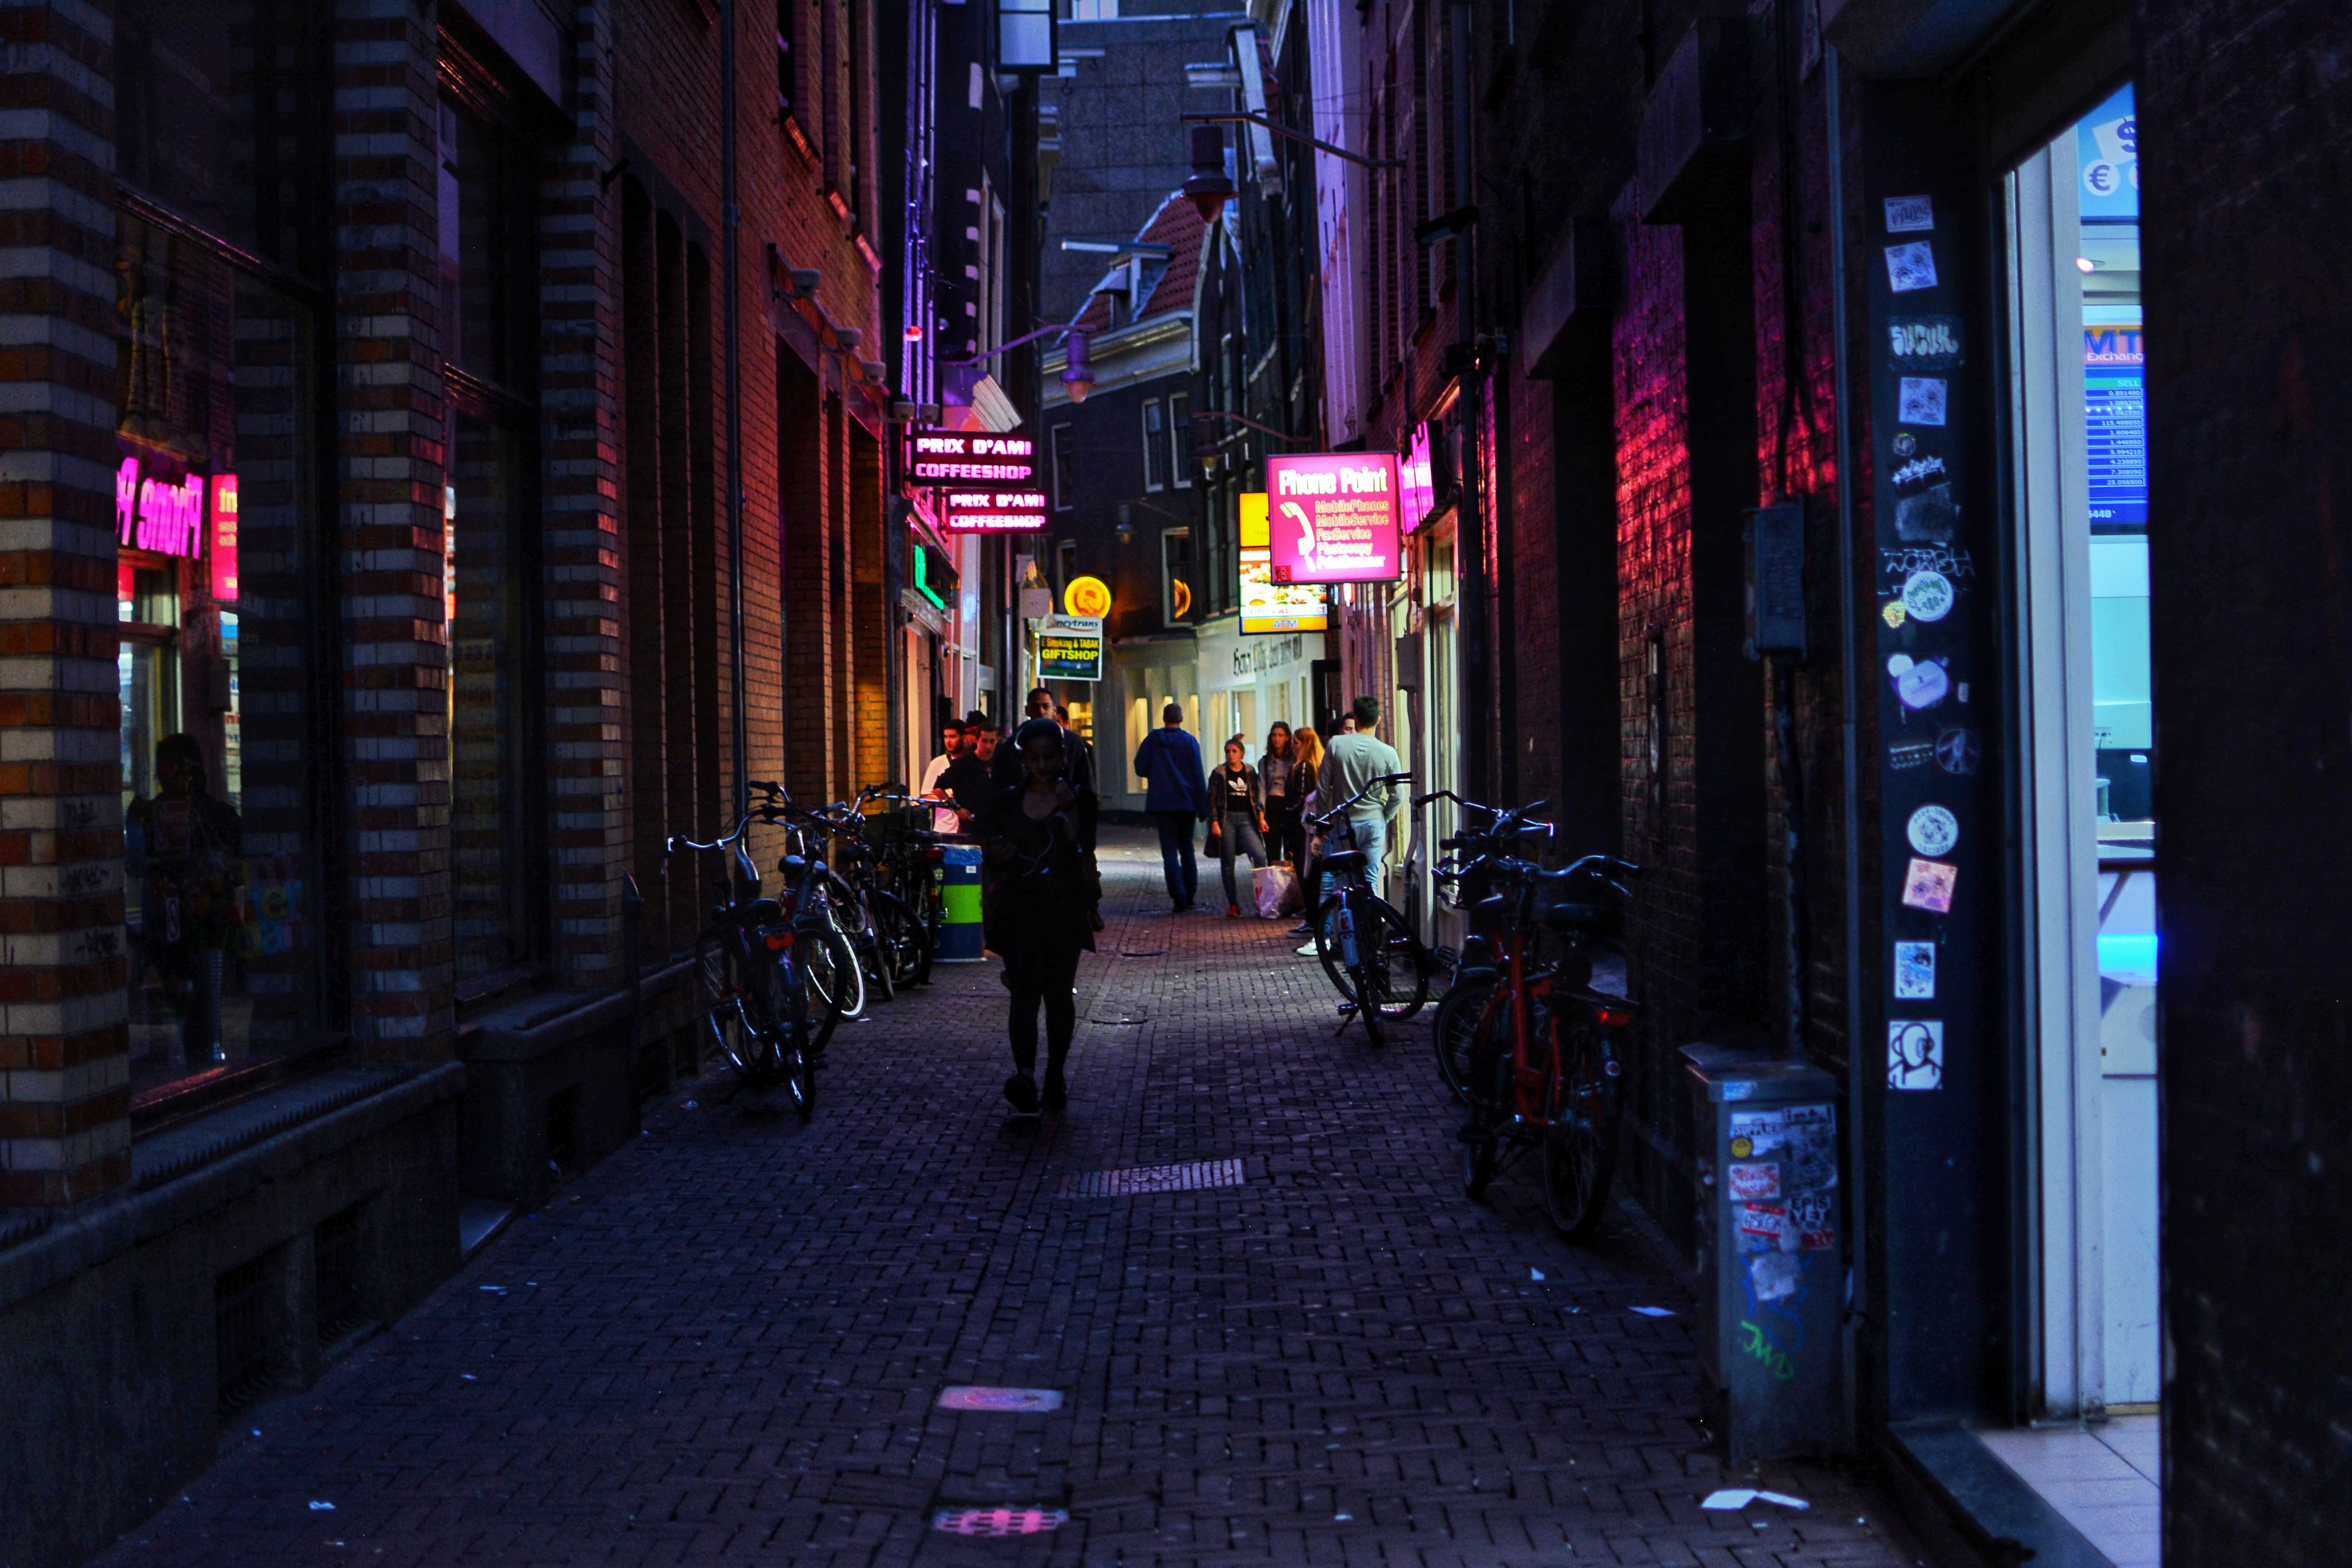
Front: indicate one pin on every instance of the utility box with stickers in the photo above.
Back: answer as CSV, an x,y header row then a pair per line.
x,y
1771,1262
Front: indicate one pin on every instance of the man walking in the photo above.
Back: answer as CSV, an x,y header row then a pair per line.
x,y
1176,795
1353,760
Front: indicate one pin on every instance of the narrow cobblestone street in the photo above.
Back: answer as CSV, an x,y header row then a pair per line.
x,y
731,1340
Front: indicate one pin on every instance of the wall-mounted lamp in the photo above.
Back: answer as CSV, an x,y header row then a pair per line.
x,y
1077,372
1125,529
1210,188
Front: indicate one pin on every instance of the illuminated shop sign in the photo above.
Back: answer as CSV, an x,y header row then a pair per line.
x,y
225,538
167,516
970,457
1417,476
1070,647
1334,517
1268,606
992,510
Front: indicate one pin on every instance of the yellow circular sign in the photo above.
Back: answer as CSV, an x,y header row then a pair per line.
x,y
1087,596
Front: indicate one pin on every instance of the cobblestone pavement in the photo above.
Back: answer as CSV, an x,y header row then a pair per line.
x,y
730,1340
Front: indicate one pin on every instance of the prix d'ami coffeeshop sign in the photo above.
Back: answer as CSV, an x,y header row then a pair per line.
x,y
1334,517
987,481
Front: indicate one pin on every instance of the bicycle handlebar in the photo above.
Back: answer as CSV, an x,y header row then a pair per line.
x,y
1325,819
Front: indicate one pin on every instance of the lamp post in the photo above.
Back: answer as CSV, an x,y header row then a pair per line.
x,y
1077,374
1210,187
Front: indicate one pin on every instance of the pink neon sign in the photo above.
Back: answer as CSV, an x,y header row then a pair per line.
x,y
1333,517
161,515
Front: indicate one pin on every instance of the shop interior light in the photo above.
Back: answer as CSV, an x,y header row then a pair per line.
x,y
1210,188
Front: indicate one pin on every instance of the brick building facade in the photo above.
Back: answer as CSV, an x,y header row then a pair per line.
x,y
1821,273
467,539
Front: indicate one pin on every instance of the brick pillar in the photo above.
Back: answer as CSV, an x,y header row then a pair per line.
x,y
63,1064
396,654
844,682
581,546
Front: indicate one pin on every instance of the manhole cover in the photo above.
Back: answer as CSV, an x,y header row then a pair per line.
x,y
1013,1399
999,1521
1144,952
1136,1179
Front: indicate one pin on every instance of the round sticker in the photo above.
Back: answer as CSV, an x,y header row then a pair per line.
x,y
1958,752
1927,595
1898,665
1894,612
1742,1147
1904,444
1933,830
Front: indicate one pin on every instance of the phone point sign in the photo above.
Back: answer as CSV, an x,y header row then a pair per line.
x,y
1334,517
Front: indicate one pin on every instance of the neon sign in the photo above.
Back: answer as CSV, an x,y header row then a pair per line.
x,y
225,538
161,515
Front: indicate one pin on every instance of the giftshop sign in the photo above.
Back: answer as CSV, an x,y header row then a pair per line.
x,y
1333,517
1070,647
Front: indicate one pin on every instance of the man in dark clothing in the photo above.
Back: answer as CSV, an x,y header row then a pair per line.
x,y
1176,795
969,780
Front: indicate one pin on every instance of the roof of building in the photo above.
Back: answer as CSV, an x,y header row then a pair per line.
x,y
1178,227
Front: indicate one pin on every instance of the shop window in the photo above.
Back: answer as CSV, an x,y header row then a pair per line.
x,y
1176,576
1155,445
217,516
490,556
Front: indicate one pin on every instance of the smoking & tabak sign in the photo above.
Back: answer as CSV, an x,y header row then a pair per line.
x,y
1334,517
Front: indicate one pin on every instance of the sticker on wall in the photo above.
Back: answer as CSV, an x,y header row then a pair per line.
x,y
1893,612
1811,1214
1906,443
1910,215
1927,595
1911,268
1755,1181
1924,343
1775,1276
1923,685
1924,506
1928,885
1958,752
1915,971
1907,756
1923,400
1763,1227
1932,830
1896,563
1914,1053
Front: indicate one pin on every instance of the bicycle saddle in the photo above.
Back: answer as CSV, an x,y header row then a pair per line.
x,y
1338,860
1579,918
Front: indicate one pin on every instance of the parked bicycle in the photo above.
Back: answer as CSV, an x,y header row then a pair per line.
x,y
753,966
1526,1043
1365,944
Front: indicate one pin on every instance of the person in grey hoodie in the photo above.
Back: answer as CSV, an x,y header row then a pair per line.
x,y
1353,761
1175,794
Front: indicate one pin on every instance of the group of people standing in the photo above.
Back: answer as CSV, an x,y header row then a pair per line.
x,y
1259,813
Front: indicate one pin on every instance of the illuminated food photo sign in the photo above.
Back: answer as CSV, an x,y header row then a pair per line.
x,y
1333,517
1268,607
970,457
992,510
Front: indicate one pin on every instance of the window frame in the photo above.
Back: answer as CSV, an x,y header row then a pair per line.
x,y
1155,448
1057,439
1180,472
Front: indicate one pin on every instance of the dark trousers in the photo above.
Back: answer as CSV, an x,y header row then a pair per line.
x,y
1176,854
1285,841
1040,971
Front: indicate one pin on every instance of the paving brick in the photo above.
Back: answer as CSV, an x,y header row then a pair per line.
x,y
728,1341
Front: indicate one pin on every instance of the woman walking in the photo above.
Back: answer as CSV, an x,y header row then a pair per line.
x,y
1237,805
1310,765
1040,910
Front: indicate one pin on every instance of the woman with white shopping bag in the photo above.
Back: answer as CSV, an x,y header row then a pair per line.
x,y
1236,819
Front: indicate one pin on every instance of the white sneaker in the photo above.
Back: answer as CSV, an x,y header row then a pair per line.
x,y
1307,951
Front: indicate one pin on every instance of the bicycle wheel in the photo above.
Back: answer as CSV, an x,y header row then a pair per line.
x,y
725,1036
1455,1031
904,940
1387,956
874,956
788,992
837,987
1580,1147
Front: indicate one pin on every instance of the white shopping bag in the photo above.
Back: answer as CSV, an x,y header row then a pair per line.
x,y
1278,890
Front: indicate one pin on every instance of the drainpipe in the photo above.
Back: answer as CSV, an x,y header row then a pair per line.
x,y
731,217
1478,603
1850,691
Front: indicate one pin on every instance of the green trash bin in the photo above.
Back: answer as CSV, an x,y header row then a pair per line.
x,y
960,938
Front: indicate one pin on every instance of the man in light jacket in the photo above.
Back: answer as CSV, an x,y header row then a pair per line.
x,y
1176,794
1353,760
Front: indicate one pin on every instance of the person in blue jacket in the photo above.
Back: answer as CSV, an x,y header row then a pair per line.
x,y
1177,795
